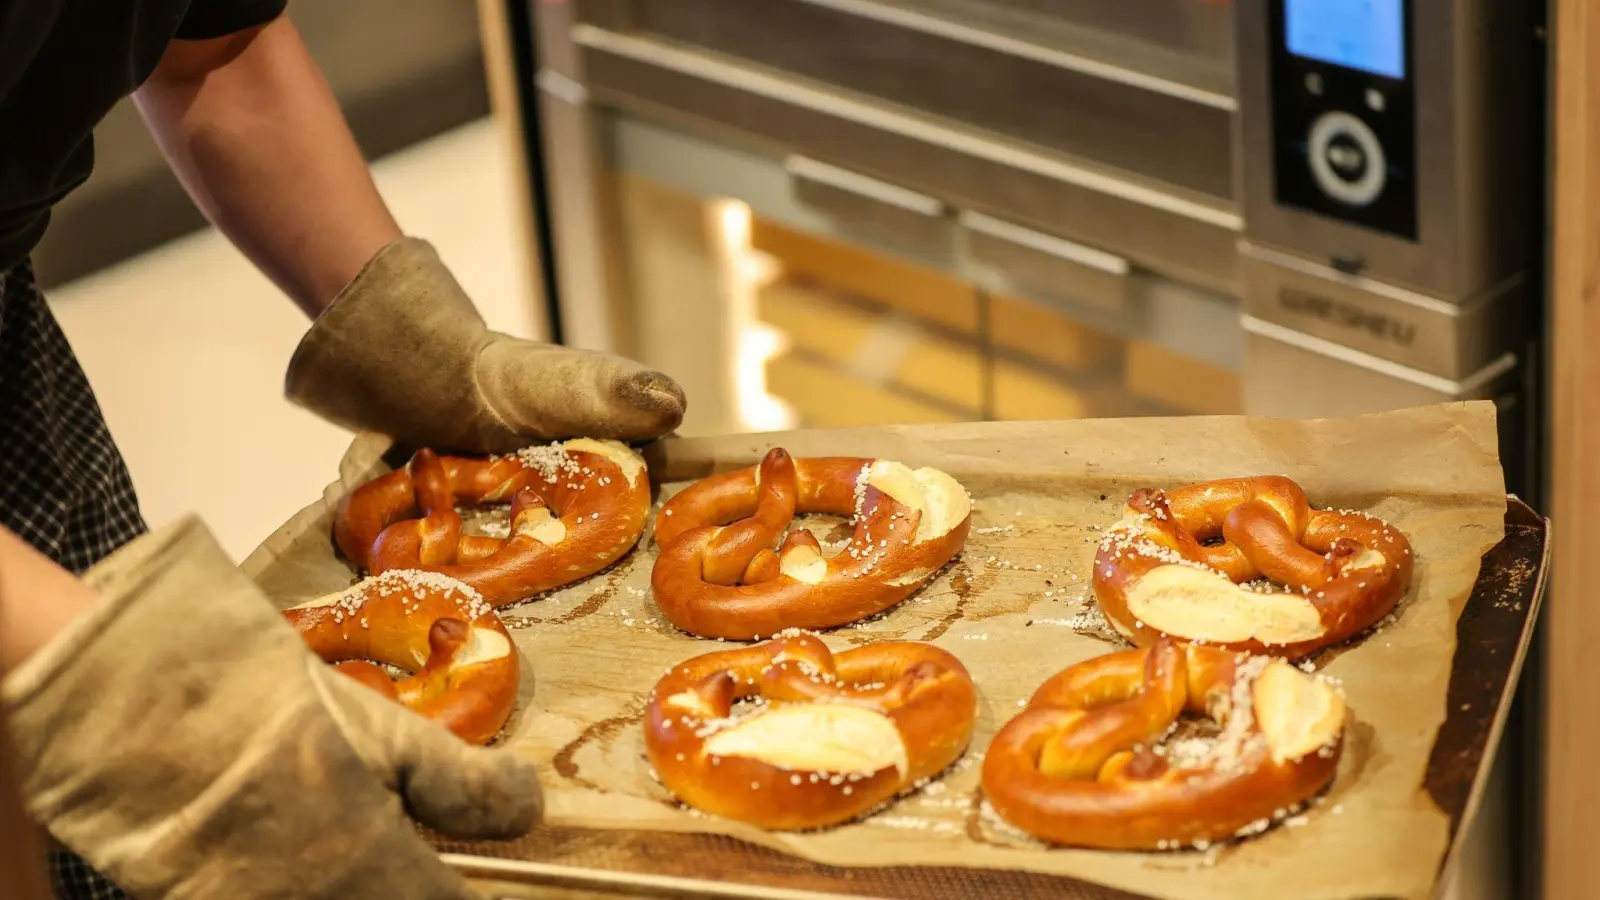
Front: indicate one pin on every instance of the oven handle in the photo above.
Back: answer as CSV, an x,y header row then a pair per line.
x,y
806,169
1048,244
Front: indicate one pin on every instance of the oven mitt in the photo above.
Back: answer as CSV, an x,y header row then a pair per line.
x,y
402,351
181,738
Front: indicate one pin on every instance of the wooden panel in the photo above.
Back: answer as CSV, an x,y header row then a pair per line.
x,y
814,322
1156,373
944,370
1571,867
1023,392
910,288
876,346
1047,335
828,398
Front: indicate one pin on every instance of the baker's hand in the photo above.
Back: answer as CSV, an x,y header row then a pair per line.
x,y
181,738
403,351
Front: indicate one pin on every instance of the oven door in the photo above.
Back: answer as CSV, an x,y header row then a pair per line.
x,y
815,212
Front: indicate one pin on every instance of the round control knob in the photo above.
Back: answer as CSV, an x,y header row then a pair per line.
x,y
1346,159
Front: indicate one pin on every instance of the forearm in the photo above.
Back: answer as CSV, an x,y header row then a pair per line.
x,y
253,131
38,600
22,860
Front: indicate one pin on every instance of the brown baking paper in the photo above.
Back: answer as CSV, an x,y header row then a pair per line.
x,y
1011,608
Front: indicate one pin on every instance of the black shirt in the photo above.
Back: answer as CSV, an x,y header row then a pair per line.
x,y
63,65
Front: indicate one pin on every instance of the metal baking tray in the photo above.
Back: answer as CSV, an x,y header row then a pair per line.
x,y
1493,636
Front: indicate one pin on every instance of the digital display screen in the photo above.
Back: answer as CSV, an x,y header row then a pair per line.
x,y
1366,35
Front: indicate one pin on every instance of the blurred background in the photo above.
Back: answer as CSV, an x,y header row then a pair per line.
x,y
821,213
186,343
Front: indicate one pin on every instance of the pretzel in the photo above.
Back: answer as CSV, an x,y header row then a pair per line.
x,y
465,668
1156,572
836,737
718,575
1081,765
576,508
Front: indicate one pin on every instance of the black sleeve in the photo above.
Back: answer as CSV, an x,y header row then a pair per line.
x,y
219,18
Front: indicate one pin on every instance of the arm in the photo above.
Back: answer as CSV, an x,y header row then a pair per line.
x,y
168,710
22,859
26,626
256,136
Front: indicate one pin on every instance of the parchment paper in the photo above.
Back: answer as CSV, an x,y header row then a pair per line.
x,y
1011,609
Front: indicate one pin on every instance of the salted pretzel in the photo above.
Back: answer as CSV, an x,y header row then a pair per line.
x,y
830,738
723,573
1082,765
576,508
1184,562
464,667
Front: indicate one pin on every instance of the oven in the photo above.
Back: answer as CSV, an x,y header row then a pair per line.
x,y
846,212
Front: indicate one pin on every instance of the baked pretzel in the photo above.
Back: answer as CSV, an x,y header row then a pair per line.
x,y
1081,765
1161,570
465,668
718,574
835,737
576,508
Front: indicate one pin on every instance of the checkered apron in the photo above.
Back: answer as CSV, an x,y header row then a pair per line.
x,y
63,486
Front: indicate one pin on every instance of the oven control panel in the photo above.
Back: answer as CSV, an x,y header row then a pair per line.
x,y
1344,121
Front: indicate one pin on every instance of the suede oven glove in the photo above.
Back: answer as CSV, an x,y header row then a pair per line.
x,y
403,351
182,738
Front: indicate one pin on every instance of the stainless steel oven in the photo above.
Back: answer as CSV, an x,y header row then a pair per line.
x,y
839,212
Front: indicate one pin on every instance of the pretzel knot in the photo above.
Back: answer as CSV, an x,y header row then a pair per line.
x,y
1180,563
1081,765
831,736
576,508
464,667
722,571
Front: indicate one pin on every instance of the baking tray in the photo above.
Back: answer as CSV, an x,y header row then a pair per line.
x,y
1492,638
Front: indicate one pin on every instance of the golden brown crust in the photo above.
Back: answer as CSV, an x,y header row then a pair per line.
x,y
465,667
718,575
921,697
1078,766
576,509
1348,569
